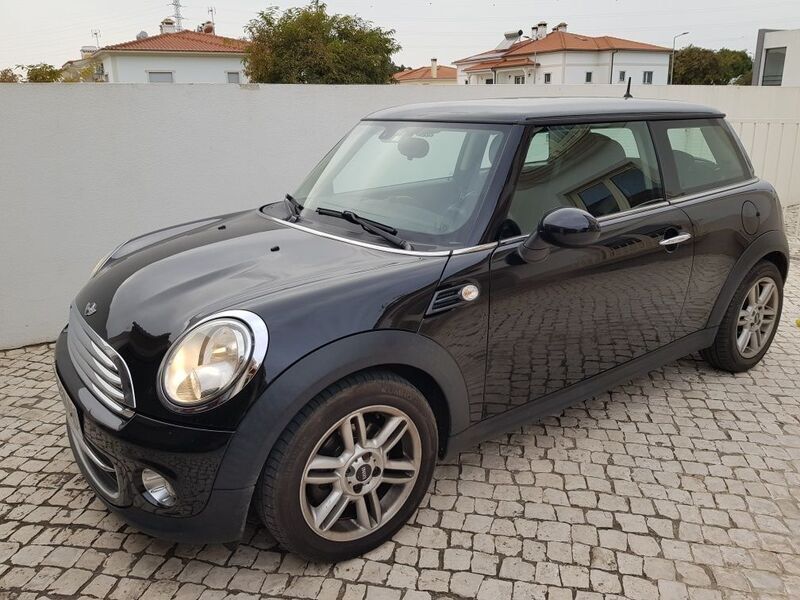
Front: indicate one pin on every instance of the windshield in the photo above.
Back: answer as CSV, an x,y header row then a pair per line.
x,y
425,180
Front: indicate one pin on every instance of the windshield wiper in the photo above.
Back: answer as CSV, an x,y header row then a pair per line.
x,y
385,231
294,206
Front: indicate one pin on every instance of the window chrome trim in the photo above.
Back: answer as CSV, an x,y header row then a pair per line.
x,y
258,352
716,190
422,253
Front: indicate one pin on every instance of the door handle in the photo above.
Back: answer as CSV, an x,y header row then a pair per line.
x,y
678,239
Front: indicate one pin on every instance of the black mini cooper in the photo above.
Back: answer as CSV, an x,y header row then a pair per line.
x,y
448,272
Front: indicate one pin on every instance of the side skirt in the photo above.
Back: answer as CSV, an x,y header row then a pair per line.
x,y
555,402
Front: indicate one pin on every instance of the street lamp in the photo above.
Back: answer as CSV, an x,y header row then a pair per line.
x,y
672,55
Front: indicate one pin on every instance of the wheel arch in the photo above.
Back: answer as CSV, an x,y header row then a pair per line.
x,y
771,246
417,358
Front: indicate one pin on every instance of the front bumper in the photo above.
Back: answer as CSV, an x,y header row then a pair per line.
x,y
111,452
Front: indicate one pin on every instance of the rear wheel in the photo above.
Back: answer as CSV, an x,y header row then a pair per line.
x,y
751,321
350,469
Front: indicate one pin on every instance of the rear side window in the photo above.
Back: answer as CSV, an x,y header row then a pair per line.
x,y
704,155
603,168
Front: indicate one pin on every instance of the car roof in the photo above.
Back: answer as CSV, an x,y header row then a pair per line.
x,y
544,110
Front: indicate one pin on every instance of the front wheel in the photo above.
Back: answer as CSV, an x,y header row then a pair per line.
x,y
350,469
750,322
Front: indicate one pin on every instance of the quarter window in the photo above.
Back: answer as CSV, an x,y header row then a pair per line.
x,y
604,169
704,154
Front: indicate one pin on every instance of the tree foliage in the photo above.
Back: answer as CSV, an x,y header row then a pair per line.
x,y
41,73
8,76
308,45
702,66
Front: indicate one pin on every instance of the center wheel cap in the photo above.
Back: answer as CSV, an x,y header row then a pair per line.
x,y
364,472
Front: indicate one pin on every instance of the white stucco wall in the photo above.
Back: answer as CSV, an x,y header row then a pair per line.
x,y
790,39
85,167
186,68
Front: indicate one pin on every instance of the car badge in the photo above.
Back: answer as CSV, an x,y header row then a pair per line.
x,y
91,308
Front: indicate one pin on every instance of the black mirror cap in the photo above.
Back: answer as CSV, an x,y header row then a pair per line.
x,y
569,227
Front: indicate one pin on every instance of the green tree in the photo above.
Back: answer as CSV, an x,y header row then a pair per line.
x,y
702,66
308,45
41,73
8,76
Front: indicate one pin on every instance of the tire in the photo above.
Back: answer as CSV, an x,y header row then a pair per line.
x,y
726,353
292,504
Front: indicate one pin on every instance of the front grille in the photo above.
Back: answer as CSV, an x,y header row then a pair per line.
x,y
98,365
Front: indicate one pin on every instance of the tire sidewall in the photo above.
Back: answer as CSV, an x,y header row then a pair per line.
x,y
372,391
760,271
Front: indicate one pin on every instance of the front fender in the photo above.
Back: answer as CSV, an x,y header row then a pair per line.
x,y
296,386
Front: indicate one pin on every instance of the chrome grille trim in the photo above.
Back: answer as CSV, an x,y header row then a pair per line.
x,y
99,366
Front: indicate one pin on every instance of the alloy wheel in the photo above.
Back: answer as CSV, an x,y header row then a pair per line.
x,y
757,317
360,473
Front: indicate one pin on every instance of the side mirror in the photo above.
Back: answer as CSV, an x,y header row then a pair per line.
x,y
565,227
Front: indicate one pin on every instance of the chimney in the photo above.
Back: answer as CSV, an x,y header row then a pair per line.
x,y
168,26
561,26
87,51
534,34
434,67
542,29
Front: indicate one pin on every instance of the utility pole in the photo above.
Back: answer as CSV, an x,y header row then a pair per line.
x,y
96,36
177,6
672,56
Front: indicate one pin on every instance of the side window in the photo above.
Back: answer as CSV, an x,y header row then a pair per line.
x,y
704,155
605,169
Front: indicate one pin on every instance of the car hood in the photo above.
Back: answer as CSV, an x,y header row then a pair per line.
x,y
162,282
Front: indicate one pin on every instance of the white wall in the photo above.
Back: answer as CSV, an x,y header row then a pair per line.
x,y
790,39
84,167
188,68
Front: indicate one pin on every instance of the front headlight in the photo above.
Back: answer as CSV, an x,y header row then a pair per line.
x,y
213,360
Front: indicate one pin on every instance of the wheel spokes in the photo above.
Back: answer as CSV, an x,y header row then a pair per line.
x,y
391,433
766,293
743,341
327,513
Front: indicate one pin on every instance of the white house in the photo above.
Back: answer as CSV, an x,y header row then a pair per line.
x,y
560,57
174,57
777,58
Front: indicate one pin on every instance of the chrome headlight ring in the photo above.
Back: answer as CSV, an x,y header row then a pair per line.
x,y
245,322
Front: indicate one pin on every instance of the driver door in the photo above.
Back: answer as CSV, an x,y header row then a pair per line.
x,y
578,312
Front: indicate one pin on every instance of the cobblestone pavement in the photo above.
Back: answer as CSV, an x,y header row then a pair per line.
x,y
684,483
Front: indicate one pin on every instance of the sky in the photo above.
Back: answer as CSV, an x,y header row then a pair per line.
x,y
52,31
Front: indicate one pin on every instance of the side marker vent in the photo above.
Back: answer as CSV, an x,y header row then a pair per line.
x,y
451,297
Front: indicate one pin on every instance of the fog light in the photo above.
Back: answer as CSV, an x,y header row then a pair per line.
x,y
158,490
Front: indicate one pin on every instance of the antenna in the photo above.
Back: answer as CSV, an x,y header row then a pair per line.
x,y
177,6
628,91
211,12
96,36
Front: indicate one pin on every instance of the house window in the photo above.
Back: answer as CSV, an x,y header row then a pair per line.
x,y
773,66
234,77
647,77
519,78
489,81
588,77
547,77
160,77
622,76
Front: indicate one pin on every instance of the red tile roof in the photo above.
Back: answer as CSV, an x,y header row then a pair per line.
x,y
424,73
505,63
557,41
562,40
182,41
